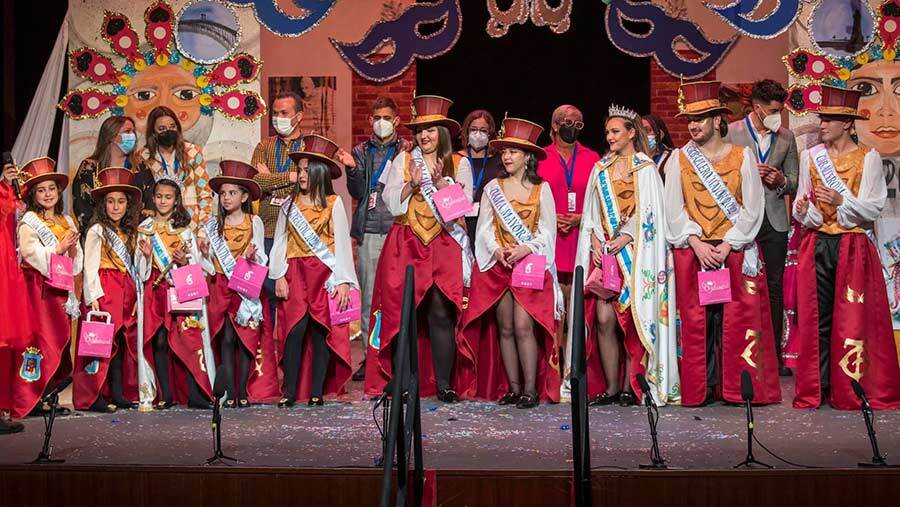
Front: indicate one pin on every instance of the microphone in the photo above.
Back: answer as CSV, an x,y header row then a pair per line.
x,y
219,389
8,160
656,459
645,388
747,396
220,386
860,393
63,384
877,459
746,386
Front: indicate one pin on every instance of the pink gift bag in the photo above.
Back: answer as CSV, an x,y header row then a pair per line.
x,y
452,202
528,273
247,278
61,272
190,283
714,287
96,338
174,306
351,313
605,281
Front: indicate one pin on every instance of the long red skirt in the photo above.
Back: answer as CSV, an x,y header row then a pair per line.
x,y
479,329
42,356
306,277
439,265
862,341
747,336
185,343
12,286
262,384
90,373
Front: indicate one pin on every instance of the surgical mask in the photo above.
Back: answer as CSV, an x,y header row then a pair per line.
x,y
478,139
569,133
127,142
383,128
772,122
167,138
651,142
283,126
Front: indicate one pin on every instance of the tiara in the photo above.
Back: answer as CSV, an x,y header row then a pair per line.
x,y
622,112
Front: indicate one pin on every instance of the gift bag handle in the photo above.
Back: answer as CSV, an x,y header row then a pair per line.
x,y
106,315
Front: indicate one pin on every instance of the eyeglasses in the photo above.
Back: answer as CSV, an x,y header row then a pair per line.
x,y
476,129
569,123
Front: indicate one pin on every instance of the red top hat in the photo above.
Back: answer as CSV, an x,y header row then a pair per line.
x,y
115,179
319,148
430,110
40,170
840,102
699,97
237,173
520,134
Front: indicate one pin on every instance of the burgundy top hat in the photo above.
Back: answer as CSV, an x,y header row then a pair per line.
x,y
520,134
430,110
319,148
237,173
115,179
40,170
840,102
699,97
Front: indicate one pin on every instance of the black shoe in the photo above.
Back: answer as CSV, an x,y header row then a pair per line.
x,y
603,399
316,401
627,399
286,403
200,405
126,405
784,371
229,404
43,409
243,403
360,373
509,398
101,407
10,427
165,405
710,397
448,395
527,400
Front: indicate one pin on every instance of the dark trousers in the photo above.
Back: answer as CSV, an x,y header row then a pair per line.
x,y
269,284
773,246
827,250
714,319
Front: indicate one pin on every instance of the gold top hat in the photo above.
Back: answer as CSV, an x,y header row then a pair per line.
x,y
319,148
840,102
431,110
520,134
699,97
40,170
237,173
115,179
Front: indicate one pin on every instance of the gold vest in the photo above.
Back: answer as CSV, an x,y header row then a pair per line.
x,y
170,236
238,237
529,212
418,215
850,169
320,220
700,205
624,192
109,259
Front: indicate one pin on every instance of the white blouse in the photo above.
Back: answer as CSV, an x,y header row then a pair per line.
x,y
38,256
393,182
258,240
93,243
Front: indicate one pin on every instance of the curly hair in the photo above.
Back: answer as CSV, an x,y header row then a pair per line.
x,y
127,224
768,90
180,216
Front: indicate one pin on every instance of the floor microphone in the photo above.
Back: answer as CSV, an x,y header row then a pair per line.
x,y
747,396
877,459
656,460
645,388
746,386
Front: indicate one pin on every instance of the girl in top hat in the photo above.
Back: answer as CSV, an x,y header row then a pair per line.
x,y
312,261
109,286
440,253
178,342
45,231
517,218
624,217
245,335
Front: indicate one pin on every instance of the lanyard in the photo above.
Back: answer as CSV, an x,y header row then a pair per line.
x,y
166,166
570,173
127,164
384,162
479,176
762,156
279,166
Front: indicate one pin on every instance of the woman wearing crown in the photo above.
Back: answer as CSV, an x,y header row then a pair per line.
x,y
624,223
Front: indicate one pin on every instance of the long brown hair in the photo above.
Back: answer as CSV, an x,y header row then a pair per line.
x,y
31,203
246,207
640,142
129,222
106,138
180,216
444,149
318,183
152,141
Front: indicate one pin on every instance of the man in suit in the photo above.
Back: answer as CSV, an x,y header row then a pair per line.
x,y
776,155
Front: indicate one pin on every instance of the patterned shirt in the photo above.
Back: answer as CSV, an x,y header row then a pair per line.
x,y
194,180
274,153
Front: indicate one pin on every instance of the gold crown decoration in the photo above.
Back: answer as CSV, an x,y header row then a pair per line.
x,y
681,104
412,105
502,132
622,112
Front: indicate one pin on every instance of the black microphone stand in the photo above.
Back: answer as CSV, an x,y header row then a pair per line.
x,y
46,449
657,461
219,456
749,459
877,459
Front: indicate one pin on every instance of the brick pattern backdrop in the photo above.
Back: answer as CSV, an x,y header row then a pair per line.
x,y
664,101
365,92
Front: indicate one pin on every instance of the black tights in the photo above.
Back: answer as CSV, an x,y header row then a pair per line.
x,y
293,353
231,346
442,332
114,374
161,360
517,344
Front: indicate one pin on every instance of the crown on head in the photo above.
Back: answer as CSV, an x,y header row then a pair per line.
x,y
622,112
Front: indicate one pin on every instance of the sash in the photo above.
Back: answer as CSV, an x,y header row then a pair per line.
x,y
250,312
146,377
613,218
456,232
513,225
312,240
48,239
827,172
724,199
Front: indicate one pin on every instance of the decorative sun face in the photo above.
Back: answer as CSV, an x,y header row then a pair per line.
x,y
879,82
171,86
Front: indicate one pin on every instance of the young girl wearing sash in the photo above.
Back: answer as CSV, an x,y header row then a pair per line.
x,y
176,341
843,320
624,217
110,277
439,251
312,261
244,331
44,233
518,362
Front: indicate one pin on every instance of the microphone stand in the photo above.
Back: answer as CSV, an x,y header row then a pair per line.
x,y
219,456
657,462
749,459
877,459
46,449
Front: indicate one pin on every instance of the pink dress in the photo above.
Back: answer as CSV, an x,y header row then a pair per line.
x,y
553,171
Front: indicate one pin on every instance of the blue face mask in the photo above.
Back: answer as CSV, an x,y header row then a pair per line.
x,y
652,142
129,140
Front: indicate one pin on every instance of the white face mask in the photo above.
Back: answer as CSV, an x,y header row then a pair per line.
x,y
283,126
771,122
478,139
383,128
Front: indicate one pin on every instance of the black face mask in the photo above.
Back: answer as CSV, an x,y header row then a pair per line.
x,y
569,133
167,138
